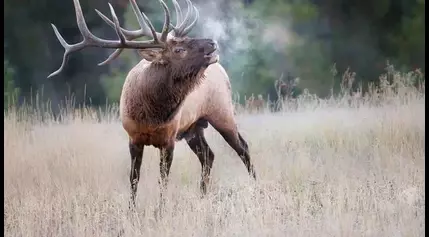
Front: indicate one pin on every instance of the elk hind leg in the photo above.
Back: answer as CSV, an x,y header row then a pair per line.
x,y
228,130
198,144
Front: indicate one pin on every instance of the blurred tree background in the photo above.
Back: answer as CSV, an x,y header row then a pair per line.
x,y
259,40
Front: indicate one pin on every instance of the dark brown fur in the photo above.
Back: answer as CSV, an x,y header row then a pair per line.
x,y
162,98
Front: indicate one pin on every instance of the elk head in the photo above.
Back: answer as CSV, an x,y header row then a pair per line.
x,y
183,55
170,47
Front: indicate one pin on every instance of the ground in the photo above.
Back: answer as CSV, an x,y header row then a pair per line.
x,y
328,171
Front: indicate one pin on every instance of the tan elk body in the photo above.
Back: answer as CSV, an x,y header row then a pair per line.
x,y
211,98
172,94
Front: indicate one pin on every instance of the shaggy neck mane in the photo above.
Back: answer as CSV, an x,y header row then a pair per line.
x,y
168,90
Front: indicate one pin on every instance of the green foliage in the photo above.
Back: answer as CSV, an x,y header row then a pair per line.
x,y
310,56
255,70
112,84
282,37
410,37
10,91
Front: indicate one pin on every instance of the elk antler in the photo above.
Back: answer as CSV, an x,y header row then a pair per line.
x,y
90,40
180,30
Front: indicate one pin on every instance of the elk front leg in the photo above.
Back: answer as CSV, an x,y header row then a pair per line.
x,y
136,152
166,159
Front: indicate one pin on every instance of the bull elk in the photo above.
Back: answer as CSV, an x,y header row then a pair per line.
x,y
173,93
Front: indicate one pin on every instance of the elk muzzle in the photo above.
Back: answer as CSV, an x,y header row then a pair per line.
x,y
210,48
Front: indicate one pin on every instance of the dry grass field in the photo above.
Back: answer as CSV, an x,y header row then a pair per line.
x,y
323,170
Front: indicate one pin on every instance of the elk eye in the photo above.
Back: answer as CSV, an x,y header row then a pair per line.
x,y
178,50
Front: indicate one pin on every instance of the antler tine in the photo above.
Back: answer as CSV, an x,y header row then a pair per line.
x,y
165,28
129,34
120,35
111,57
144,22
179,29
139,15
189,28
151,27
68,49
90,40
132,34
178,13
117,26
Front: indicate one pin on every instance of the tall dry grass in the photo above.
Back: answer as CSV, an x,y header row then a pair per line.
x,y
326,169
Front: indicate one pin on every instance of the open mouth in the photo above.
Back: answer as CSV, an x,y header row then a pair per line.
x,y
210,54
212,58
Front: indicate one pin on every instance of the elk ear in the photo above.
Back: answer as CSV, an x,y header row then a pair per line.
x,y
151,54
